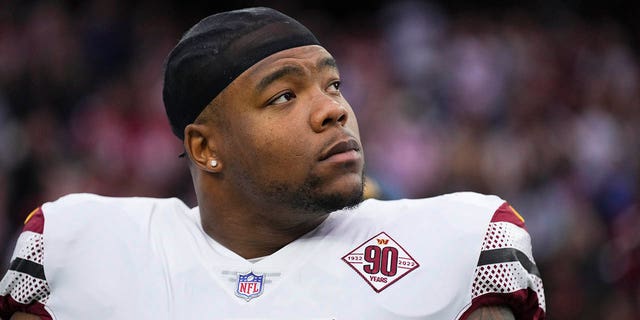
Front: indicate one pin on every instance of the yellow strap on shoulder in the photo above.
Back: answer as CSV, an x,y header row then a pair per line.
x,y
517,214
31,215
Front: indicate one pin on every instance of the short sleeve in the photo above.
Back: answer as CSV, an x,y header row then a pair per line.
x,y
24,287
506,273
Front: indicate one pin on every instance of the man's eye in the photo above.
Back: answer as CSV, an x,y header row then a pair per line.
x,y
285,97
334,86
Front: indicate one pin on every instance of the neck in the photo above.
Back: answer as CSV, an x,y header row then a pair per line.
x,y
254,231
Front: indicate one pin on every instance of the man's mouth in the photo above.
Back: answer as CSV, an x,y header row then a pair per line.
x,y
347,149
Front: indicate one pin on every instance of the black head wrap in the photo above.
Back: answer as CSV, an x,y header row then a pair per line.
x,y
217,50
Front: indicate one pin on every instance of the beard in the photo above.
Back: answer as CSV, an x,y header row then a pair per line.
x,y
309,197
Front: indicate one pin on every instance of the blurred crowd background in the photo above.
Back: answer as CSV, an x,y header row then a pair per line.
x,y
537,103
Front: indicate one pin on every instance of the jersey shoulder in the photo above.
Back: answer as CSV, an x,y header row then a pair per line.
x,y
24,286
447,205
130,204
84,208
77,229
468,198
506,272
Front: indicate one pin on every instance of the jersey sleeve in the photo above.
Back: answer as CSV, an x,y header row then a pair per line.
x,y
24,287
506,273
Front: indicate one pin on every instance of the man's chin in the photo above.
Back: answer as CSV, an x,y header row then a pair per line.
x,y
316,196
324,203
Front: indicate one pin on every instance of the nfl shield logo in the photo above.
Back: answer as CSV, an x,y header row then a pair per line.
x,y
249,285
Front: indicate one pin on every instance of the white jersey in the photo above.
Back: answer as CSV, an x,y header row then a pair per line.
x,y
140,258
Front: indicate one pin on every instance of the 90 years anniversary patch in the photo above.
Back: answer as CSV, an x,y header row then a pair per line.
x,y
381,261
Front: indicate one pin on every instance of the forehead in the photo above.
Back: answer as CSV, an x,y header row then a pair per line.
x,y
299,61
310,58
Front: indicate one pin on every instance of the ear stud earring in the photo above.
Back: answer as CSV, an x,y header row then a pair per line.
x,y
214,163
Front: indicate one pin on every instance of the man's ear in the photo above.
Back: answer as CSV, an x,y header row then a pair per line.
x,y
201,147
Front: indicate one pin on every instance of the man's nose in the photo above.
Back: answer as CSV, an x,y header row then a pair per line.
x,y
327,112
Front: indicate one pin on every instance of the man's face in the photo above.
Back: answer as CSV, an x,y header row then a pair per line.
x,y
290,137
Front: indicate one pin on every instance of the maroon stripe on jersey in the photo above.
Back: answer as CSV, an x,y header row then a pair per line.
x,y
506,214
9,306
35,222
523,303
